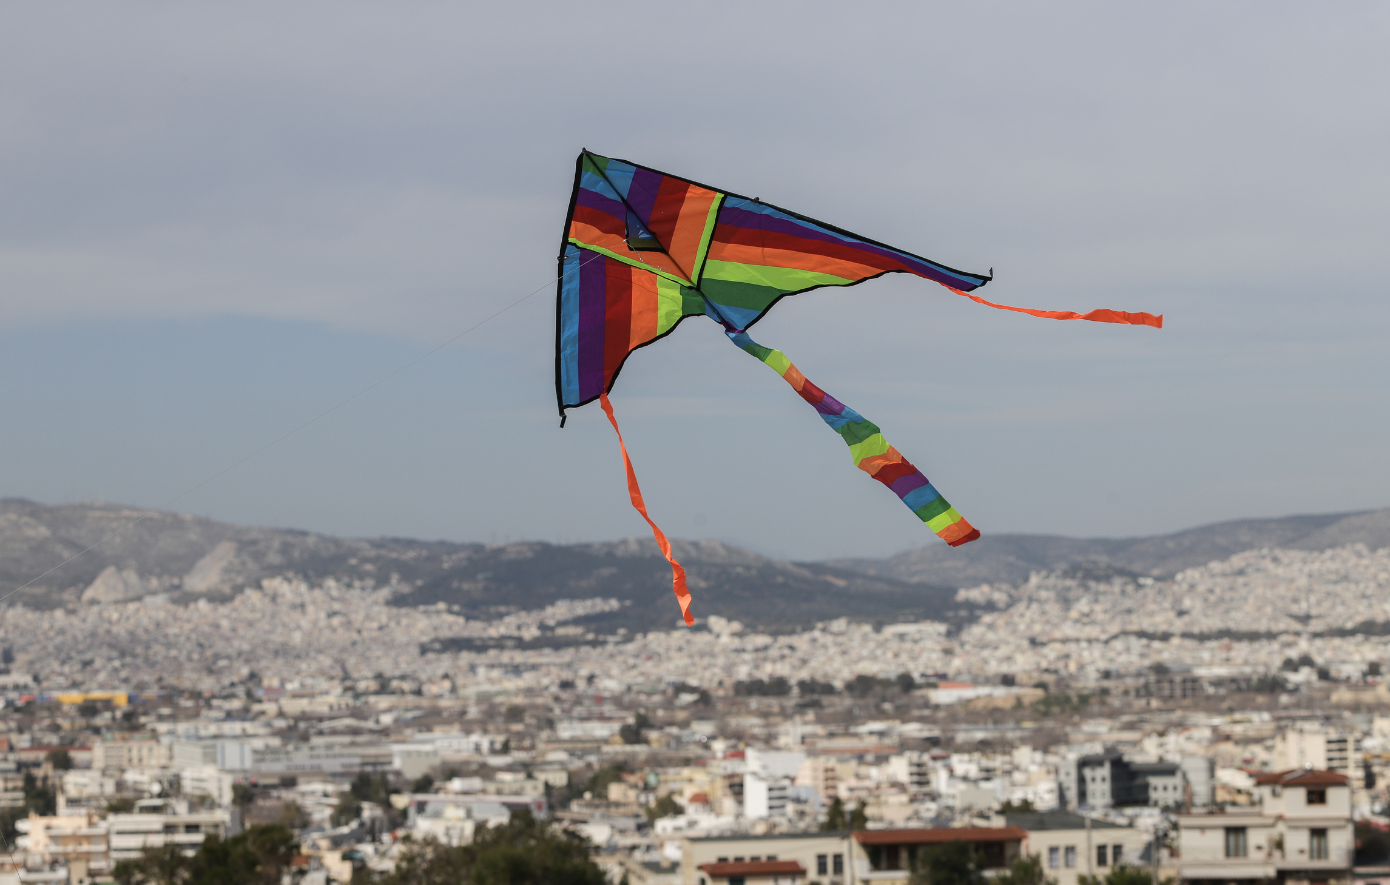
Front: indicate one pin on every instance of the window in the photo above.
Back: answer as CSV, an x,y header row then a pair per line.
x,y
1317,844
723,859
755,858
839,865
822,864
1115,854
1071,856
740,859
771,857
1102,855
892,857
1054,857
1235,841
737,880
1317,797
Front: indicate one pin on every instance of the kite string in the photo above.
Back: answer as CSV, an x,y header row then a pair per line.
x,y
325,413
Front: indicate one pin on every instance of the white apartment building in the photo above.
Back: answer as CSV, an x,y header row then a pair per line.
x,y
163,824
1300,833
119,755
1068,848
765,797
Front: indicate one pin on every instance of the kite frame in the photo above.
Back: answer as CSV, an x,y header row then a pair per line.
x,y
695,283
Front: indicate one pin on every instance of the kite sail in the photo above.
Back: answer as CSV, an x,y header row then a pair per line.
x,y
643,250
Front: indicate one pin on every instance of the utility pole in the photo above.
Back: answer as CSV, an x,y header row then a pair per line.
x,y
1090,851
1153,859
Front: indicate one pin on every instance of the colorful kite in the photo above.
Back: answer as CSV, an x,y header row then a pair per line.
x,y
643,250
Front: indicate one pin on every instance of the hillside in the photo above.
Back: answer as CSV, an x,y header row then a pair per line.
x,y
186,558
1011,558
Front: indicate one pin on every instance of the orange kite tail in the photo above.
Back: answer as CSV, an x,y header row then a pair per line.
x,y
634,491
1095,316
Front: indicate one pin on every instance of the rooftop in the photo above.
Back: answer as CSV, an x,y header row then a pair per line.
x,y
1303,777
940,835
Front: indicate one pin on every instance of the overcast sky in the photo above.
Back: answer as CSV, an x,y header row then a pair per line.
x,y
218,220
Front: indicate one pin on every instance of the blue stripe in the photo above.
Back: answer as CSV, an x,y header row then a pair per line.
x,y
569,327
921,496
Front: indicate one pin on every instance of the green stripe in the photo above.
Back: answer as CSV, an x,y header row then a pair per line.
x,y
743,295
642,265
670,304
703,248
788,279
932,509
778,361
874,445
692,303
857,431
950,517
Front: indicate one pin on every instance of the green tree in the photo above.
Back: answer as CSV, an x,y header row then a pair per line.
x,y
859,818
598,784
348,809
422,784
1026,870
835,818
520,852
258,856
1122,875
243,795
60,759
666,806
951,863
1020,807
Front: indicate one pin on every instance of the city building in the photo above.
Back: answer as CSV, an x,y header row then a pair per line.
x,y
1299,833
887,856
1069,848
826,857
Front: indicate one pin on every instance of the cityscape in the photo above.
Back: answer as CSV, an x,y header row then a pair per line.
x,y
1098,720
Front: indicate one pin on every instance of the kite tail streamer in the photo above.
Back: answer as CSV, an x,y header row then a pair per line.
x,y
1123,317
634,491
868,448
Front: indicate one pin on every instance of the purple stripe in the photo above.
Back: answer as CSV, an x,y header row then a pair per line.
x,y
641,195
593,304
830,406
742,218
905,484
596,200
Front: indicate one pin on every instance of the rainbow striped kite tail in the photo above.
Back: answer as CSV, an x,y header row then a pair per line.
x,y
870,451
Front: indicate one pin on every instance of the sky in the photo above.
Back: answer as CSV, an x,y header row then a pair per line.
x,y
219,221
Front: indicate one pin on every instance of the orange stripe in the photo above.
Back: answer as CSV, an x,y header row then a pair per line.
x,y
756,255
634,491
1095,316
878,462
955,531
690,226
644,308
795,378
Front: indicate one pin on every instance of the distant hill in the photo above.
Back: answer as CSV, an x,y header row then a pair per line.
x,y
145,552
185,557
1010,558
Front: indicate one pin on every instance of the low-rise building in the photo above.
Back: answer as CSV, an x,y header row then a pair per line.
x,y
887,856
1068,848
1299,833
825,857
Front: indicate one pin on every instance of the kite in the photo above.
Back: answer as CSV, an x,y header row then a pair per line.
x,y
643,250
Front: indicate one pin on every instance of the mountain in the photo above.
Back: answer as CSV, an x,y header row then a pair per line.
x,y
143,552
1011,558
140,553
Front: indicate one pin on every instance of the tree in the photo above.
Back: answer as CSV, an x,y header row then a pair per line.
x,y
835,816
258,856
243,795
665,806
60,759
1021,807
422,784
859,819
1027,870
951,863
518,852
906,683
348,809
1122,875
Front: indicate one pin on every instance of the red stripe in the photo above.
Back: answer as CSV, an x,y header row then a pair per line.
x,y
811,393
666,208
617,322
891,473
601,220
744,236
